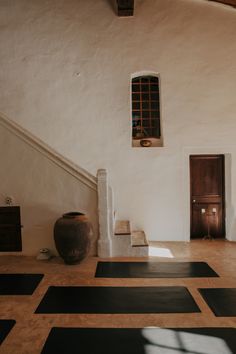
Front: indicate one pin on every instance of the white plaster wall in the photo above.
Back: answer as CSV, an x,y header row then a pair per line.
x,y
65,74
43,190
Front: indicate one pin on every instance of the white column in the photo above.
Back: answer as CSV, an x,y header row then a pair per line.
x,y
104,241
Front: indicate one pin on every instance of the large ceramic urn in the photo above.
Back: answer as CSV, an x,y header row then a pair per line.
x,y
72,235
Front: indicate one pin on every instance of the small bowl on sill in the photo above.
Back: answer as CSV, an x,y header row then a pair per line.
x,y
145,143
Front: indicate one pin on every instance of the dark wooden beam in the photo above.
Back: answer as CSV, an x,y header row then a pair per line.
x,y
125,7
226,2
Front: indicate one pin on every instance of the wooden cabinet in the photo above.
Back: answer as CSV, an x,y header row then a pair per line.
x,y
10,229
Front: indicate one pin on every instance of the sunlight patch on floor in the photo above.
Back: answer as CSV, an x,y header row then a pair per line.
x,y
168,341
160,252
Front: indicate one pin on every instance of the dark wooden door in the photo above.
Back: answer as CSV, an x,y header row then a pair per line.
x,y
207,196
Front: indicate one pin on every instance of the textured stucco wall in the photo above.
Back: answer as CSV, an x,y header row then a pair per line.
x,y
44,192
65,75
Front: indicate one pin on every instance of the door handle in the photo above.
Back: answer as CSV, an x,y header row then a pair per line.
x,y
194,200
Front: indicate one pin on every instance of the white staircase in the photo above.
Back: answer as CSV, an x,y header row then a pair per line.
x,y
128,243
138,239
116,237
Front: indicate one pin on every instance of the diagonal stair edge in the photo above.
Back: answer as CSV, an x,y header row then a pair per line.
x,y
79,173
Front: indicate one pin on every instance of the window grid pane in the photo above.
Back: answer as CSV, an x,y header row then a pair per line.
x,y
145,107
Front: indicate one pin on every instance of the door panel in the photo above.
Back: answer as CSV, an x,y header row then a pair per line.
x,y
207,173
207,196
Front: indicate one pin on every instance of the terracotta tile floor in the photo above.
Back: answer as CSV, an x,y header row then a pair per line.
x,y
31,330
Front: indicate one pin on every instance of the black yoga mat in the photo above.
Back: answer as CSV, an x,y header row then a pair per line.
x,y
5,327
154,270
140,341
19,284
90,299
222,301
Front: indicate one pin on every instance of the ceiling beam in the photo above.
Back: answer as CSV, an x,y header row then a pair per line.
x,y
125,7
226,2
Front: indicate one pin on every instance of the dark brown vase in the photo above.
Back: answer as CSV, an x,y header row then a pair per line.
x,y
72,235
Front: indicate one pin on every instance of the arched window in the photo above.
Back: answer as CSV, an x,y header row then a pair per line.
x,y
146,111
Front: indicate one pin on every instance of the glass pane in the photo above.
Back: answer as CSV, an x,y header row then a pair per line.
x,y
155,114
145,114
146,123
136,105
154,105
154,97
153,79
156,130
136,115
145,79
135,88
145,96
148,132
135,122
155,123
136,97
136,80
144,88
145,105
154,87
134,132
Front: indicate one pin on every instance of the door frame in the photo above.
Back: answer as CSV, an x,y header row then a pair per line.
x,y
223,190
229,209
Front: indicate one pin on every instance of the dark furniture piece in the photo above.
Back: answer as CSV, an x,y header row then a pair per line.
x,y
10,229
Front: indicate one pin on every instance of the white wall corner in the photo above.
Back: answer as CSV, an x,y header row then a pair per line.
x,y
104,212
